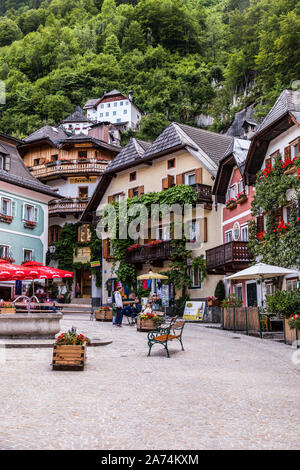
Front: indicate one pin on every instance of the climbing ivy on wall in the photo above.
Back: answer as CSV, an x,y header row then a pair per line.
x,y
126,272
277,244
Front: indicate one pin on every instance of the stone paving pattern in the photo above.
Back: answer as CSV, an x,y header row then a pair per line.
x,y
225,391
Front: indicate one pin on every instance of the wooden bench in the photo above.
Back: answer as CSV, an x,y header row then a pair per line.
x,y
164,334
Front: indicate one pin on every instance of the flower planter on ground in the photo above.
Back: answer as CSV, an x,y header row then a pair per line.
x,y
145,325
69,357
103,314
7,309
290,334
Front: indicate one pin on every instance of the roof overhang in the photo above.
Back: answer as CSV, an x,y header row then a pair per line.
x,y
260,143
223,178
35,143
96,198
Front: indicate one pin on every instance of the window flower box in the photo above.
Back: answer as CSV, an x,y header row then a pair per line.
x,y
6,218
231,203
7,259
29,224
154,243
290,171
241,198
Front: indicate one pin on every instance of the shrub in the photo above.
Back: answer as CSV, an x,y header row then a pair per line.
x,y
220,290
284,303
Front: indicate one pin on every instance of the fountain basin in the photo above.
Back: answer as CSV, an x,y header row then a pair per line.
x,y
32,326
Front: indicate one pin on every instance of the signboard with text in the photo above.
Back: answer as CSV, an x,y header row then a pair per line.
x,y
194,310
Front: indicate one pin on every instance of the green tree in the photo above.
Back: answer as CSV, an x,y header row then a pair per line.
x,y
134,38
9,31
112,46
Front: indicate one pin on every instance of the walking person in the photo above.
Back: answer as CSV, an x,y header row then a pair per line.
x,y
77,290
118,302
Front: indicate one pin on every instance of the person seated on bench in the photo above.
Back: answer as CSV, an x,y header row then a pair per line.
x,y
136,309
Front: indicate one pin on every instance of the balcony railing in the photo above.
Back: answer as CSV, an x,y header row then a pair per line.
x,y
71,167
228,257
203,192
67,206
145,253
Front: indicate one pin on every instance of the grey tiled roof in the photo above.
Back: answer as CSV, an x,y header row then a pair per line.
x,y
168,139
54,134
91,103
19,174
213,144
77,116
131,153
288,101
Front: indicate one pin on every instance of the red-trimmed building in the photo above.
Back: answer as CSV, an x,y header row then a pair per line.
x,y
235,196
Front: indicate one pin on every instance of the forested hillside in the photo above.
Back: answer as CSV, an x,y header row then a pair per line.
x,y
180,57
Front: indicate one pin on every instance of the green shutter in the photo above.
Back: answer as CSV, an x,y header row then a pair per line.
x,y
13,208
36,214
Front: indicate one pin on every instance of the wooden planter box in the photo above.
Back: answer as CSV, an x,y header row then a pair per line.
x,y
68,357
232,205
289,334
8,310
103,315
213,303
290,171
242,199
145,325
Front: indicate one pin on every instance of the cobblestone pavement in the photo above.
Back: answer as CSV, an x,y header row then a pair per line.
x,y
225,391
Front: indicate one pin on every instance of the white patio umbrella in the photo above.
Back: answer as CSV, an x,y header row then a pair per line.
x,y
261,271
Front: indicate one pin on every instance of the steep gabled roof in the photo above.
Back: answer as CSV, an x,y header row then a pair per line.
x,y
77,116
235,155
131,154
19,175
50,133
284,114
288,101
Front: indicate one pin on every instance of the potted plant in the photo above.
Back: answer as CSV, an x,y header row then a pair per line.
x,y
211,301
104,314
69,352
231,301
7,307
148,322
285,304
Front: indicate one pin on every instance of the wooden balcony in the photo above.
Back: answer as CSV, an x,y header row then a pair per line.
x,y
230,257
49,171
145,253
204,194
67,206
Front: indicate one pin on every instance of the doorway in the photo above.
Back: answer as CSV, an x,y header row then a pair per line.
x,y
252,294
84,279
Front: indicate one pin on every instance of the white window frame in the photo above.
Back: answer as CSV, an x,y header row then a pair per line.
x,y
31,251
163,233
8,247
238,286
35,211
227,233
243,228
186,178
2,162
191,274
9,207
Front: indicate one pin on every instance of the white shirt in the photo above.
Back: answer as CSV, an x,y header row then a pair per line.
x,y
118,299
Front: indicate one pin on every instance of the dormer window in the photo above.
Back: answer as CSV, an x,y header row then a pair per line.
x,y
4,162
1,162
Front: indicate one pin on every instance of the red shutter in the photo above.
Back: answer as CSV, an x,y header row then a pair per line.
x,y
205,229
140,190
180,179
278,215
260,226
198,176
106,248
268,161
287,152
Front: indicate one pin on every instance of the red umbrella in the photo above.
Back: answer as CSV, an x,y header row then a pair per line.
x,y
11,272
40,271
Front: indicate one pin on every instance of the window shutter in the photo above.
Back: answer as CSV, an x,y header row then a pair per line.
x,y
130,192
278,215
13,208
298,147
205,229
7,163
260,226
110,199
180,179
268,161
141,190
106,248
36,214
198,176
164,183
287,152
23,211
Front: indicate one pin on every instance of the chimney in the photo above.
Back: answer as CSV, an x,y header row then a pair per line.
x,y
130,96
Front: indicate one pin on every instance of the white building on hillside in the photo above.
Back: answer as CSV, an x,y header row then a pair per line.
x,y
116,108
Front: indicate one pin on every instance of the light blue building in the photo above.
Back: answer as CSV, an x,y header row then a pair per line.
x,y
23,211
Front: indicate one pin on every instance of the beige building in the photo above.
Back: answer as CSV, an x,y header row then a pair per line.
x,y
181,155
